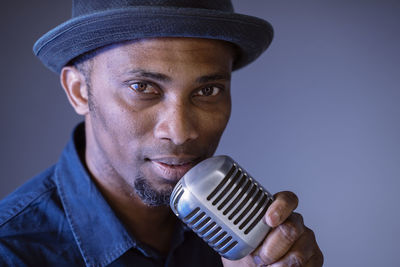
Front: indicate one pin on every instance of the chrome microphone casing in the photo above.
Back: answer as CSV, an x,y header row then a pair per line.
x,y
220,202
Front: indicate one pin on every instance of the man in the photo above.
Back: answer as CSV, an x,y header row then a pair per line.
x,y
152,80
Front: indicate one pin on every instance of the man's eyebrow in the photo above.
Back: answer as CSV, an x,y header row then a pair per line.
x,y
164,78
150,74
214,77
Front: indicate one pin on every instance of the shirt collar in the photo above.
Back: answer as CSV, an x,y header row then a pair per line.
x,y
101,237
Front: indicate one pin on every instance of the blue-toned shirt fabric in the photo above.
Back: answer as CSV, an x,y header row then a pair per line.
x,y
59,218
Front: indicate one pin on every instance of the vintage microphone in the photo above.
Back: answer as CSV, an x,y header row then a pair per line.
x,y
220,202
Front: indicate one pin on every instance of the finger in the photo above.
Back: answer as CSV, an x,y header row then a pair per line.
x,y
301,253
317,260
281,208
280,240
246,261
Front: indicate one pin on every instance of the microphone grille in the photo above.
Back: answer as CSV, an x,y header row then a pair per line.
x,y
245,196
220,202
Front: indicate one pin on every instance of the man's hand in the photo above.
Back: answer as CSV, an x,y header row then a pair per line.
x,y
289,243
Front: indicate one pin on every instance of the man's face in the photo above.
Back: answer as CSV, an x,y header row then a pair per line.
x,y
157,107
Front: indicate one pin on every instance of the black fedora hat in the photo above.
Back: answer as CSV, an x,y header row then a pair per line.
x,y
97,23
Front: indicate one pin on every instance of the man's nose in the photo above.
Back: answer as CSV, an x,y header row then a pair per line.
x,y
177,123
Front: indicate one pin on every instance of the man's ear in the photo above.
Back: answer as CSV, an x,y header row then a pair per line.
x,y
74,84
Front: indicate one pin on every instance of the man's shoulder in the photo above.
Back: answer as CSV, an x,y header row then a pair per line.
x,y
26,199
32,219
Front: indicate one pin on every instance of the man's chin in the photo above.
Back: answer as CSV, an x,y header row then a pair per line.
x,y
151,196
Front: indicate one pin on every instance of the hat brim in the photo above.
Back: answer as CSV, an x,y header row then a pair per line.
x,y
85,33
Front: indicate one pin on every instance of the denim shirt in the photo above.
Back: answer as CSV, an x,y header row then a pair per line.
x,y
59,218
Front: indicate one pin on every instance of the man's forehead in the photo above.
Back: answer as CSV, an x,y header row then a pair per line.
x,y
164,52
172,44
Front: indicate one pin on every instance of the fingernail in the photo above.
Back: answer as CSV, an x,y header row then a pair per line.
x,y
273,219
257,260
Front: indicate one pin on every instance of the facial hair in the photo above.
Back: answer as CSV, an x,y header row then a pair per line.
x,y
151,196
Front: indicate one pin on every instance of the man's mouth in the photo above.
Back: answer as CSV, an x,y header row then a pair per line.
x,y
172,168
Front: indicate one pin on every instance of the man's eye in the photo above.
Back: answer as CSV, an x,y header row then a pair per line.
x,y
209,91
144,88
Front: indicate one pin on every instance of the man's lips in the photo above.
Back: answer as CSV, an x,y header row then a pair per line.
x,y
172,168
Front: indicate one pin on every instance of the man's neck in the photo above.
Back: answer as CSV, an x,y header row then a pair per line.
x,y
153,226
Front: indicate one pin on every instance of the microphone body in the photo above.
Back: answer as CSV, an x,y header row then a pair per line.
x,y
223,205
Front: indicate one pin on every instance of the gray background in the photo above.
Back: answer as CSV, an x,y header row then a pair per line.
x,y
317,114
